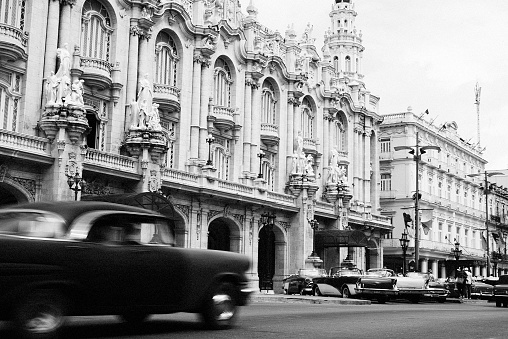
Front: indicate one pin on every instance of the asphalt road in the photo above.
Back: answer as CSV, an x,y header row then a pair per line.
x,y
305,320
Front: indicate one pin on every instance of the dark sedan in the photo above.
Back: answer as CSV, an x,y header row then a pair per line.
x,y
500,292
94,258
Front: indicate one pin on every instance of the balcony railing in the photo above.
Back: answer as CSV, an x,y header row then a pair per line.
x,y
111,160
177,175
24,142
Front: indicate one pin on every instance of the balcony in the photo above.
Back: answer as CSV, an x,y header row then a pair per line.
x,y
110,163
25,147
168,97
310,145
13,43
96,72
270,134
223,118
388,194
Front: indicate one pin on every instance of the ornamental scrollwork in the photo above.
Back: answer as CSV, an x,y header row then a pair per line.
x,y
212,214
184,209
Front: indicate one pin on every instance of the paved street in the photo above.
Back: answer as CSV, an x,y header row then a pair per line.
x,y
267,319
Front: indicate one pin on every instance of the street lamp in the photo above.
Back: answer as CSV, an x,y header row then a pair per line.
x,y
314,224
486,191
417,151
209,141
404,243
268,220
457,252
74,183
261,155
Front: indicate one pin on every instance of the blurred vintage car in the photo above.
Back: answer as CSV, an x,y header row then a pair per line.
x,y
414,287
340,282
94,258
301,283
500,292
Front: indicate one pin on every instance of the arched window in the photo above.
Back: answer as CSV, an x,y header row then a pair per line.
x,y
222,157
268,169
10,96
339,134
95,32
12,13
166,59
222,84
307,118
348,64
268,104
336,64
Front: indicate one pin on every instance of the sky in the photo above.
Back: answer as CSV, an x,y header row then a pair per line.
x,y
427,54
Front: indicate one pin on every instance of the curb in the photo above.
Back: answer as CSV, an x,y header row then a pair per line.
x,y
280,298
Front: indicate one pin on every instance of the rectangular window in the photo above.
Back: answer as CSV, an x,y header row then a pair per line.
x,y
386,182
386,146
440,232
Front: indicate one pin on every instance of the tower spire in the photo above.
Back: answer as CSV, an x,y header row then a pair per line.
x,y
477,92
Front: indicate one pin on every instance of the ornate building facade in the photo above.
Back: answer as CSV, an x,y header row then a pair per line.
x,y
452,204
249,140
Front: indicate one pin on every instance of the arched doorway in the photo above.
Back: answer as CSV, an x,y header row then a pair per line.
x,y
6,197
219,236
266,258
10,195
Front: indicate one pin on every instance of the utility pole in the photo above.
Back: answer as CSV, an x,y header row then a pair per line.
x,y
477,92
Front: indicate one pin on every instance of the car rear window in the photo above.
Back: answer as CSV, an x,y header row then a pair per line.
x,y
31,224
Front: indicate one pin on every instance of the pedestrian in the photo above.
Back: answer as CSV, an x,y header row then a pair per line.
x,y
459,282
468,282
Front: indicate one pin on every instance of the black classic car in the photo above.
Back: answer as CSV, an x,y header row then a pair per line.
x,y
500,292
340,282
301,283
94,258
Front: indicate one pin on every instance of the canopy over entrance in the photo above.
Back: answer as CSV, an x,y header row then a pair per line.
x,y
341,238
148,200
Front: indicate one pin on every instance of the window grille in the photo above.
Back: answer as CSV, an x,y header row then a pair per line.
x,y
96,31
222,84
9,100
166,60
268,104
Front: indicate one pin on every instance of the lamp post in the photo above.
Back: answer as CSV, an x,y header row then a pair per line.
x,y
417,152
74,183
457,252
404,243
209,141
261,155
486,191
314,224
268,220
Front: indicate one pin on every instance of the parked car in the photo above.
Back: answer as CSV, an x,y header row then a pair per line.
x,y
414,286
301,283
340,282
93,258
481,290
500,292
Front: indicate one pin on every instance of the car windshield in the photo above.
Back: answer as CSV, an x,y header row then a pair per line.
x,y
31,224
381,272
417,275
317,272
341,271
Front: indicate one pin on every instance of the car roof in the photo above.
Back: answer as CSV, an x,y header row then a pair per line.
x,y
69,210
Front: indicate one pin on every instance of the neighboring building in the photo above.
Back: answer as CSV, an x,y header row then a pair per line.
x,y
169,104
452,204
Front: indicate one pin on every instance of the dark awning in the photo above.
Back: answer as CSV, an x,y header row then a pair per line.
x,y
341,238
148,200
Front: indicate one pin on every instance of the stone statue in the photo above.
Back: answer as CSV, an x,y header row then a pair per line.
x,y
142,114
153,121
145,92
308,167
52,89
76,95
134,113
333,174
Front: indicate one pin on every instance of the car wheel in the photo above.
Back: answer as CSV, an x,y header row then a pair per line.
x,y
220,307
414,300
382,299
317,291
40,314
441,300
345,292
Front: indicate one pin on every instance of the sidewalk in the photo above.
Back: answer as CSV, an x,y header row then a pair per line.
x,y
308,299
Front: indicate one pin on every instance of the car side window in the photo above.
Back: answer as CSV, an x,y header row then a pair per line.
x,y
31,224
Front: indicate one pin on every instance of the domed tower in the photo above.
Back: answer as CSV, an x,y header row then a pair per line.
x,y
344,41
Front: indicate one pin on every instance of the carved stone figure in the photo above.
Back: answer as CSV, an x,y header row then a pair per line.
x,y
76,95
153,121
134,113
145,92
308,167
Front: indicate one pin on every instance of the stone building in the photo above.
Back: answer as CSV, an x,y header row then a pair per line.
x,y
249,140
452,203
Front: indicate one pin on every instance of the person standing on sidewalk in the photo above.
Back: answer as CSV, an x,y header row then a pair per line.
x,y
468,281
459,281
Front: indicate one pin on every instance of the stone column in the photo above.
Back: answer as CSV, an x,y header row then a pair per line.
x,y
132,68
144,61
367,169
206,91
52,37
435,267
247,136
292,102
476,270
199,61
442,272
255,125
65,25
